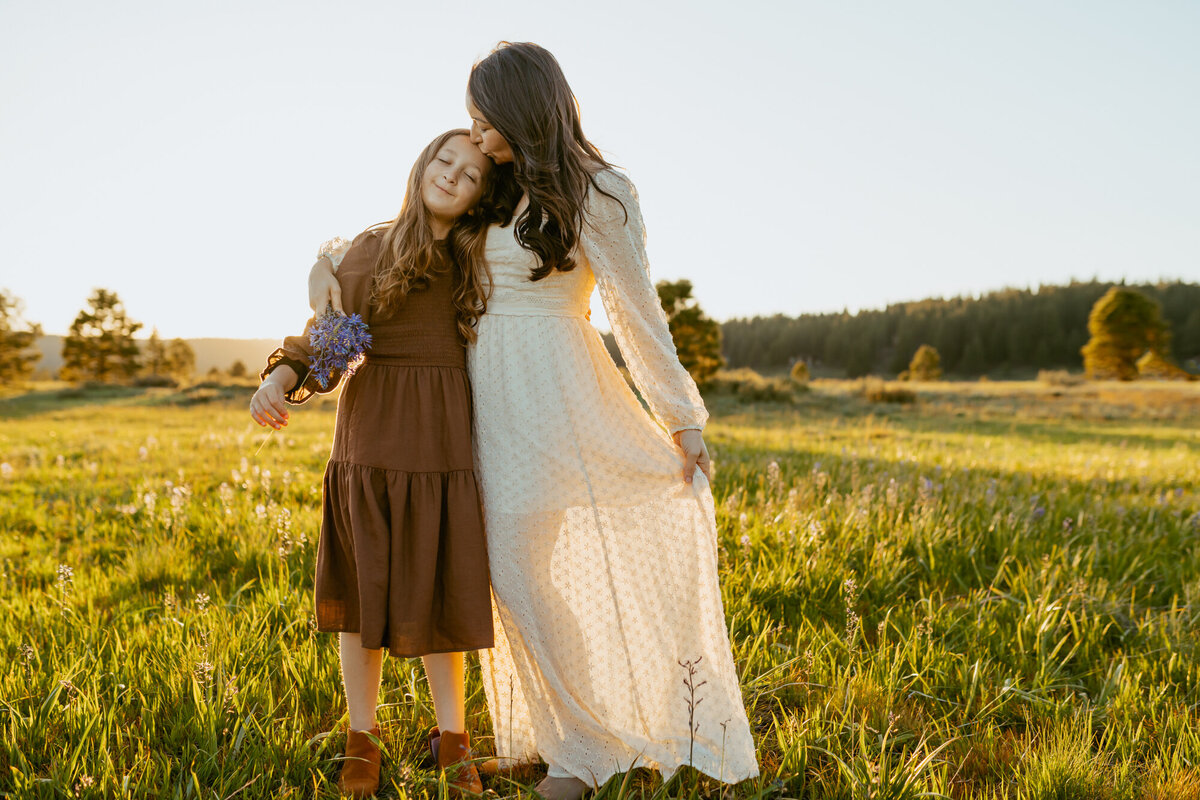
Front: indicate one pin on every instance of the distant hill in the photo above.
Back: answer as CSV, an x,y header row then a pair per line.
x,y
219,353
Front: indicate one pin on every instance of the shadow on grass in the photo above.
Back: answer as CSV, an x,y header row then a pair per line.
x,y
979,415
31,404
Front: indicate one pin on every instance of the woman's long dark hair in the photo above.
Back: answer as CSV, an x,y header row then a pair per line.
x,y
521,90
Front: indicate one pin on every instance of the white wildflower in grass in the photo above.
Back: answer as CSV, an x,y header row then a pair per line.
x,y
67,692
229,696
27,655
225,492
282,524
204,670
260,511
60,461
853,622
64,583
84,783
774,478
924,630
202,601
143,453
744,542
743,521
6,470
180,495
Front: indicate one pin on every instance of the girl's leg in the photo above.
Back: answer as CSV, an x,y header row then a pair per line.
x,y
444,671
361,670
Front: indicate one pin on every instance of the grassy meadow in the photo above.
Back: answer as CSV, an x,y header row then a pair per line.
x,y
990,593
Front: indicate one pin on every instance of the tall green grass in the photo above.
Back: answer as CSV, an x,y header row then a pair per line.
x,y
987,594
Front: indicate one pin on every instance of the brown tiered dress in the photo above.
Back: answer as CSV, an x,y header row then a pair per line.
x,y
402,557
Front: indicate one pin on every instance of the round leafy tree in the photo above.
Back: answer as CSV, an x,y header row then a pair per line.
x,y
697,338
1124,325
926,364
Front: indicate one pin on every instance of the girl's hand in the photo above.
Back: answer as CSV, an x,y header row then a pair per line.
x,y
695,454
268,406
323,287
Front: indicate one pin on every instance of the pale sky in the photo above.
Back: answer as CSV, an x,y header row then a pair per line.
x,y
790,156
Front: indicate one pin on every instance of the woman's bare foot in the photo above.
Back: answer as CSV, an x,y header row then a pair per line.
x,y
561,788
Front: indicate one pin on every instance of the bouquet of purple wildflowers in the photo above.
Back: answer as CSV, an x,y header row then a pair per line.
x,y
339,344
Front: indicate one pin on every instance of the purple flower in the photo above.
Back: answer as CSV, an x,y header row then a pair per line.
x,y
339,343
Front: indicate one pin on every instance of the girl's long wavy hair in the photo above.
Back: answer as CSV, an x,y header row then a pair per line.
x,y
408,251
521,90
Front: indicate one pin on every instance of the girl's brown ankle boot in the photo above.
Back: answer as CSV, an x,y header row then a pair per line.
x,y
360,770
454,756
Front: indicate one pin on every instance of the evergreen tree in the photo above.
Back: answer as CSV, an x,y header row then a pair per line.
x,y
16,338
1187,337
697,338
181,360
973,361
1124,325
100,345
154,355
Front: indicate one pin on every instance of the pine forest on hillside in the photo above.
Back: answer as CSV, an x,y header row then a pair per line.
x,y
1012,330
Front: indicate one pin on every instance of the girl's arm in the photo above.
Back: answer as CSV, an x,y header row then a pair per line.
x,y
268,406
323,287
615,248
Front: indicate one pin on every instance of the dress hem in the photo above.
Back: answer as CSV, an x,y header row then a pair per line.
x,y
395,653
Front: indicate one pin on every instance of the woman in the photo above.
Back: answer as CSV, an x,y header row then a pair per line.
x,y
603,560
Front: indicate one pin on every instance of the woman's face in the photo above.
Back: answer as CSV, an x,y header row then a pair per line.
x,y
453,181
487,138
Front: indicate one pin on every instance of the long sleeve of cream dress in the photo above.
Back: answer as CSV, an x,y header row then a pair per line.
x,y
603,561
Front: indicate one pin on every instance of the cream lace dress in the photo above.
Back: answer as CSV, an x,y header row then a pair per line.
x,y
603,561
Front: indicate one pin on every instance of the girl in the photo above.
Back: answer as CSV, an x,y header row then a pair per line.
x,y
603,560
402,561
